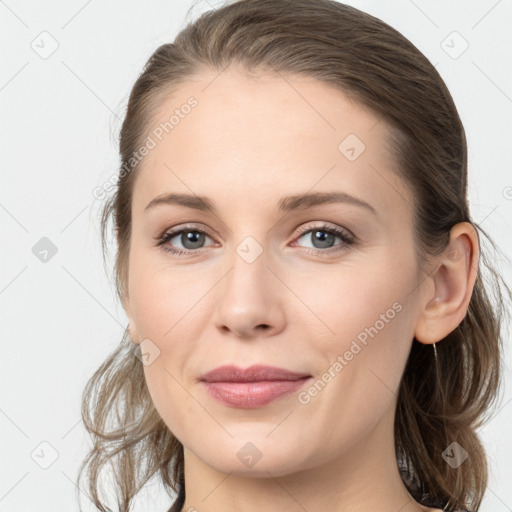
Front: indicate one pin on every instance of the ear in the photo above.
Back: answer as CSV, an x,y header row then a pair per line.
x,y
454,277
132,329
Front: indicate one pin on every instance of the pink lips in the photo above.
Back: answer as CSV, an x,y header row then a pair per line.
x,y
251,387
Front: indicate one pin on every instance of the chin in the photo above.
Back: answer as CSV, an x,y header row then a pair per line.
x,y
253,457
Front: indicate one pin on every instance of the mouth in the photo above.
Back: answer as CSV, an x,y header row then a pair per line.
x,y
252,387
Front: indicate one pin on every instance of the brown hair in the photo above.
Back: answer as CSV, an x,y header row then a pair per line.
x,y
379,68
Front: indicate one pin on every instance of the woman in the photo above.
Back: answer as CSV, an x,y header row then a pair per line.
x,y
308,324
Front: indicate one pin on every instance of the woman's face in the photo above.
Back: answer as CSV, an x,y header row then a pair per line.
x,y
270,282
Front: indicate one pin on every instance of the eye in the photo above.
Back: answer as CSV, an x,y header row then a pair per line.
x,y
323,238
191,239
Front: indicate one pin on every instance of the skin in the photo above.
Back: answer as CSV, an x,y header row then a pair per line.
x,y
246,144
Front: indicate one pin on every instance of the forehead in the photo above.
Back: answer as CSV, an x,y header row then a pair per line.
x,y
275,133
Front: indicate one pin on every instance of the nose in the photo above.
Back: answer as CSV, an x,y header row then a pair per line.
x,y
250,298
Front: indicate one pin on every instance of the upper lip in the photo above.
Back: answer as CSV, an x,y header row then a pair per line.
x,y
255,373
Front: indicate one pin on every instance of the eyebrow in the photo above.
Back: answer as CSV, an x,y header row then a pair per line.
x,y
286,204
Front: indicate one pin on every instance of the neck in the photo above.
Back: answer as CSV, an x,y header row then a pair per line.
x,y
365,477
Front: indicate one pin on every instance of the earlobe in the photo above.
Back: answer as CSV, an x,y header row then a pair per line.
x,y
453,278
132,330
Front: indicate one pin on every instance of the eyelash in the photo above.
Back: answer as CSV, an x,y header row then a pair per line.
x,y
347,238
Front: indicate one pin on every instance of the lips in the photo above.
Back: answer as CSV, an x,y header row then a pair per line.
x,y
255,373
252,387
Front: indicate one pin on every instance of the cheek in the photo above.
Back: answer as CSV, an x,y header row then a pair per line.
x,y
167,310
370,326
172,400
363,360
160,314
350,302
159,295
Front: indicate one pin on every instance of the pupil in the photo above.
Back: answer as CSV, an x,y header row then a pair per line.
x,y
191,236
323,238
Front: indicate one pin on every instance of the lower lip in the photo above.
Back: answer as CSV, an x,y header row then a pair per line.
x,y
250,395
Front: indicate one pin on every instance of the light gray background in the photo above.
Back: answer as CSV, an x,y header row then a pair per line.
x,y
60,117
